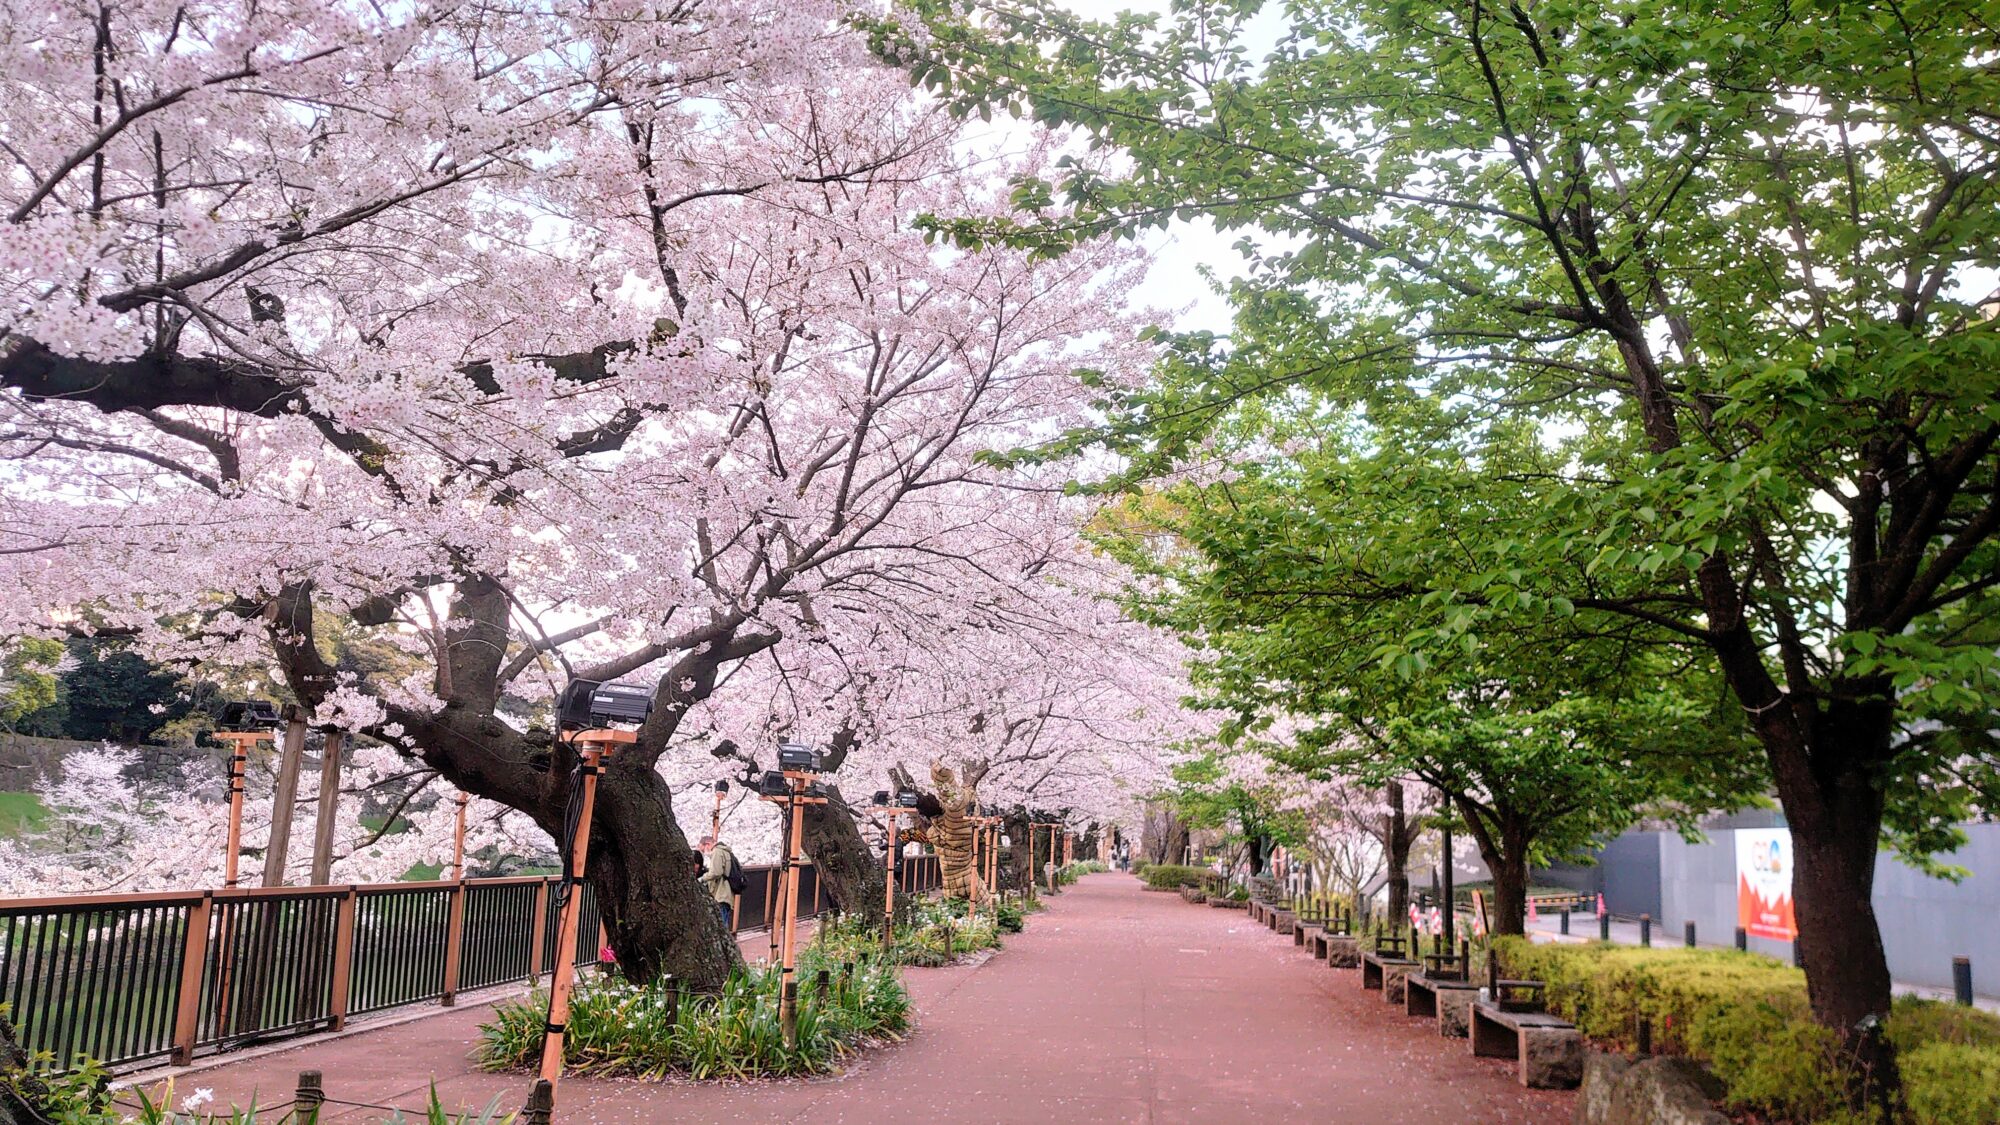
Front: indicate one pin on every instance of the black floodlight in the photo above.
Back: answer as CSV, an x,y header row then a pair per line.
x,y
773,784
907,798
590,703
881,798
795,758
249,714
722,787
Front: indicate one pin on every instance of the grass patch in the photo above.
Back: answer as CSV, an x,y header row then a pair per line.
x,y
21,813
653,1030
1747,1018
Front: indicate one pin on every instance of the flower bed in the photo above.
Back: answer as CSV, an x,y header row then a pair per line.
x,y
652,1031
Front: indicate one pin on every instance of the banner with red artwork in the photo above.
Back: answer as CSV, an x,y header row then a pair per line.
x,y
1764,883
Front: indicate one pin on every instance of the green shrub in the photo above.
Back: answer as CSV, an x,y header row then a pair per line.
x,y
919,937
1139,866
1946,1083
1167,876
652,1031
1747,1018
1010,917
1070,873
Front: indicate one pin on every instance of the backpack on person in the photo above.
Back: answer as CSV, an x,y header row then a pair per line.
x,y
738,882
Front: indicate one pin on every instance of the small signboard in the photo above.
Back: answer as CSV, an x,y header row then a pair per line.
x,y
1764,883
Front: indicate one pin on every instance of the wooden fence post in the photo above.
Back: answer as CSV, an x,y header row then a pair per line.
x,y
343,955
307,1099
454,941
194,966
536,939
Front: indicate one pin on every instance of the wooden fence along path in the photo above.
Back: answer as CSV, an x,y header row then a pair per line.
x,y
131,979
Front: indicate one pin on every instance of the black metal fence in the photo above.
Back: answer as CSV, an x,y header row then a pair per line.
x,y
133,979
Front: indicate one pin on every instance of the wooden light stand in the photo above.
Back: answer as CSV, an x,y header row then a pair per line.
x,y
458,838
592,747
240,742
1049,875
893,826
795,802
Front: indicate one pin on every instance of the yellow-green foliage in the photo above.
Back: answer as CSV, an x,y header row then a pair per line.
x,y
1167,876
1747,1017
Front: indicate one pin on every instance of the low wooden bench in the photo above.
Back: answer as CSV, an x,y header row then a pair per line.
x,y
1281,920
1303,932
1447,1001
1385,972
1339,951
1258,909
1547,1050
1510,1022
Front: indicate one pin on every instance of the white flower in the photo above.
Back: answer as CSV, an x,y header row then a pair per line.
x,y
202,1096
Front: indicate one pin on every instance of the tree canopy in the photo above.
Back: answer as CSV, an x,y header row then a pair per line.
x,y
1735,261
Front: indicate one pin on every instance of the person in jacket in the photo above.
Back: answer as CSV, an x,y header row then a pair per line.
x,y
715,862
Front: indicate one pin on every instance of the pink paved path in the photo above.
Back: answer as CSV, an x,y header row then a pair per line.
x,y
1115,1006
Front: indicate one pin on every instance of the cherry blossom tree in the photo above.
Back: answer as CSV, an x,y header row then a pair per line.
x,y
546,340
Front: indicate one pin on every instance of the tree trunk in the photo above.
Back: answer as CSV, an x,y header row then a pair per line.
x,y
1397,848
21,1087
1260,853
1836,824
849,871
1510,892
661,920
1019,869
1163,838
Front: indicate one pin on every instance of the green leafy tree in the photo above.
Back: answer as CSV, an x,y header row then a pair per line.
x,y
1743,251
1207,794
1299,583
28,668
109,693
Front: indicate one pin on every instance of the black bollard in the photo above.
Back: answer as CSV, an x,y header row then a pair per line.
x,y
1645,1038
1961,980
1565,920
1690,935
1646,930
1603,926
1742,939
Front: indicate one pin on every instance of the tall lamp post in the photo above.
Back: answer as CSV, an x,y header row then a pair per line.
x,y
240,742
795,798
892,814
458,838
1450,903
593,746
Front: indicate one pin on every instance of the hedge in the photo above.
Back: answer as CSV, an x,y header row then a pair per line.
x,y
1747,1018
1166,876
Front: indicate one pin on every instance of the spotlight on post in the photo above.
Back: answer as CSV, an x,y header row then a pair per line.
x,y
795,758
250,714
592,703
